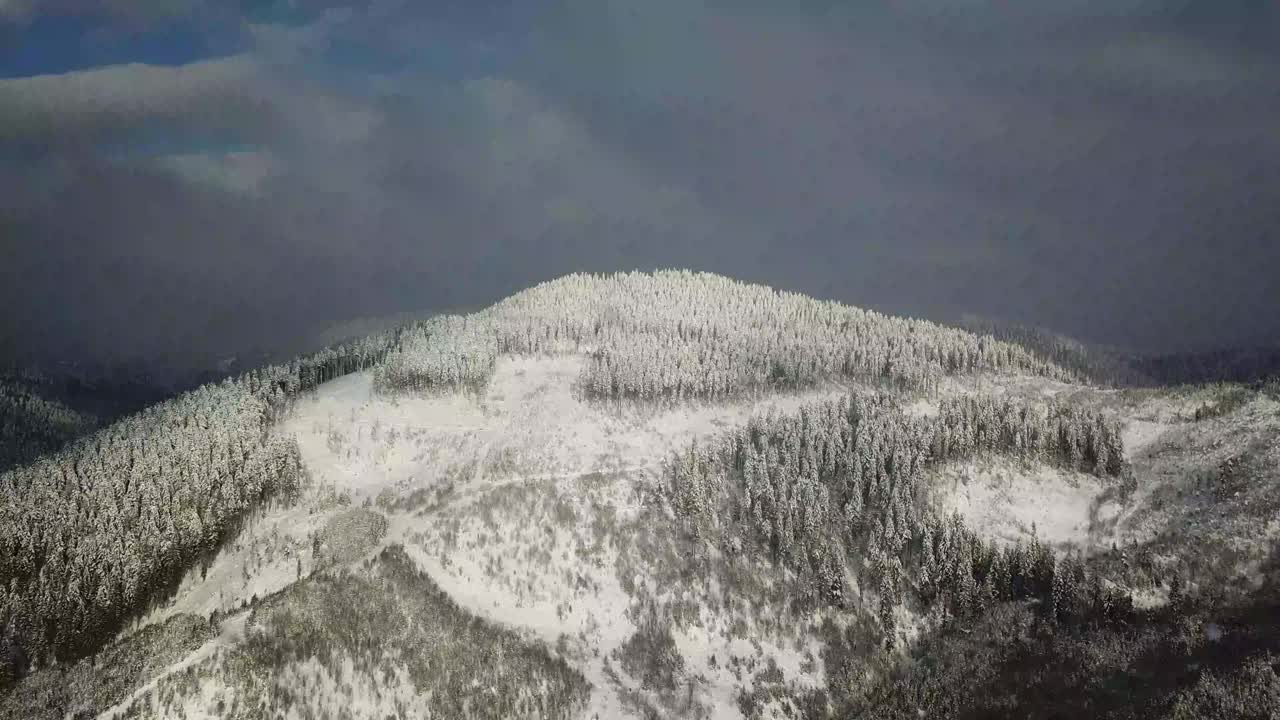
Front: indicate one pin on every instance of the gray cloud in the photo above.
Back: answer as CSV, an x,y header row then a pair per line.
x,y
427,210
1110,174
1023,166
15,11
129,10
97,104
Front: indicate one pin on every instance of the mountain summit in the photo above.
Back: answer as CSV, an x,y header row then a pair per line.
x,y
653,495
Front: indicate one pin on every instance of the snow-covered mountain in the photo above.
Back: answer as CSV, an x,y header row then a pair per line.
x,y
650,495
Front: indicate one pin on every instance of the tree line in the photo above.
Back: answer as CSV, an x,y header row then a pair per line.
x,y
1230,365
1120,368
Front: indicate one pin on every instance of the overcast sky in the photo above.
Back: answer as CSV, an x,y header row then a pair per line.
x,y
183,177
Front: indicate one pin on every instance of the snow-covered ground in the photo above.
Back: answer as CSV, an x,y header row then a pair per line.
x,y
529,422
232,632
1007,502
1205,496
1208,492
1138,434
536,473
523,503
526,484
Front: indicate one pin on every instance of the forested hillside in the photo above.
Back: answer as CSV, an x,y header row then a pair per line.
x,y
840,485
836,494
1111,366
90,533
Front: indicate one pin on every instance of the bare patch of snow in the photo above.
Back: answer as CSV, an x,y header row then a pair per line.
x,y
1007,503
922,408
529,576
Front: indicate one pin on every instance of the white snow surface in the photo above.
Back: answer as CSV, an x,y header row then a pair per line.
x,y
1006,502
529,422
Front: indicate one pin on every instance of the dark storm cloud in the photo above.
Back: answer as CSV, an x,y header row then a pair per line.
x,y
1111,174
354,210
1046,165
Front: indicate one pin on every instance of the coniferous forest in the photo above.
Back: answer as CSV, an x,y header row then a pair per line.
x,y
839,488
91,532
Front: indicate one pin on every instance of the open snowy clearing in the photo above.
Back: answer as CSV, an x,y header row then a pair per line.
x,y
1006,502
528,425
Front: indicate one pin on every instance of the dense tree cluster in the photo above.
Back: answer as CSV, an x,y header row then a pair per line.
x,y
1009,664
651,654
839,486
444,351
278,384
89,533
682,335
1250,691
967,575
1059,434
32,425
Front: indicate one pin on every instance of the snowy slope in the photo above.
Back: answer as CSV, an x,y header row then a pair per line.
x,y
526,505
516,501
